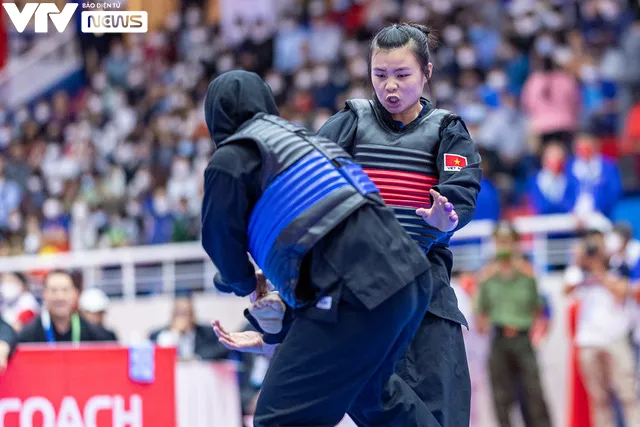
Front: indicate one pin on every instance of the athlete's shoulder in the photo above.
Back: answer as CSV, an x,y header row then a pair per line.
x,y
358,104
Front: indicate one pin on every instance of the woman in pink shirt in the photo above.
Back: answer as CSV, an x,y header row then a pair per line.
x,y
551,98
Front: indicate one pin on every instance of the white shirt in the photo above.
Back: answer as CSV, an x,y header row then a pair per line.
x,y
602,318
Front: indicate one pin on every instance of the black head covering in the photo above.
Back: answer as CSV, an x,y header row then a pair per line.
x,y
234,98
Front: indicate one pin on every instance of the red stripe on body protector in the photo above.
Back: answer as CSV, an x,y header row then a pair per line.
x,y
403,189
454,162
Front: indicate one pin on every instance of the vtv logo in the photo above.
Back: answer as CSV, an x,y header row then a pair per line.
x,y
42,12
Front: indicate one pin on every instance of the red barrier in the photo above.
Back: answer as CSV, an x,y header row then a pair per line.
x,y
86,387
579,415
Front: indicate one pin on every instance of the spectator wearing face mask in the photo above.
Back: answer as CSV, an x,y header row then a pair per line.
x,y
599,177
10,195
160,219
508,305
603,327
624,250
19,306
552,190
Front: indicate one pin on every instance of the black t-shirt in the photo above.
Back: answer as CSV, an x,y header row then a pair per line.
x,y
34,333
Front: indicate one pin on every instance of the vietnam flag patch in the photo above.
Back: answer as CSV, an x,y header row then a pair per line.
x,y
454,162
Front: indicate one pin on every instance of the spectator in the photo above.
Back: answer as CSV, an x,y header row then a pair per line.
x,y
488,203
19,306
506,131
192,340
598,177
603,328
551,98
624,251
509,303
630,77
8,342
552,190
10,195
93,305
59,321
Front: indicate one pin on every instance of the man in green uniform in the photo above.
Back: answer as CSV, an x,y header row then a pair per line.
x,y
508,305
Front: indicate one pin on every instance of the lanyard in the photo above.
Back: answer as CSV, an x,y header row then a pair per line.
x,y
48,328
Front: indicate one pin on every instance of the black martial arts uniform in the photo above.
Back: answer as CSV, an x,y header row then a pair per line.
x,y
433,151
359,291
8,335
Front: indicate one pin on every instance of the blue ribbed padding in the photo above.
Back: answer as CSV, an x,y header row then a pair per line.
x,y
415,226
302,185
358,178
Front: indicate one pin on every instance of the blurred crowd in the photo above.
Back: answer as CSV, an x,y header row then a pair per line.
x,y
513,313
549,91
544,87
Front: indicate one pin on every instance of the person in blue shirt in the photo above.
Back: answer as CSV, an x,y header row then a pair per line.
x,y
552,190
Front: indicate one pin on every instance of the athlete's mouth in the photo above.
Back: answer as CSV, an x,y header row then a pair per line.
x,y
393,100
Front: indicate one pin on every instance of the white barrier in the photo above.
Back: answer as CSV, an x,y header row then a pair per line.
x,y
165,268
207,395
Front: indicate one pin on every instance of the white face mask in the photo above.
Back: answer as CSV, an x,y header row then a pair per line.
x,y
303,80
466,58
321,75
181,170
441,7
136,77
22,116
358,68
80,211
173,21
99,81
497,80
350,49
5,135
31,243
10,291
562,55
225,63
42,113
52,208
14,222
453,35
415,12
443,90
544,45
275,83
588,74
160,205
527,26
613,242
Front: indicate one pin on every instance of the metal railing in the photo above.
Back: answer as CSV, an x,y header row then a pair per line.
x,y
168,268
44,64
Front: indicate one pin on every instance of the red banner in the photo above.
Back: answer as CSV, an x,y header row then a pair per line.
x,y
86,387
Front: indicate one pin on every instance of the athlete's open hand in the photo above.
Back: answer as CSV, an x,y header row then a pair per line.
x,y
245,342
441,214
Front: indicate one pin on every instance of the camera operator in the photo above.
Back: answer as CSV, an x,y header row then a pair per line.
x,y
604,323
